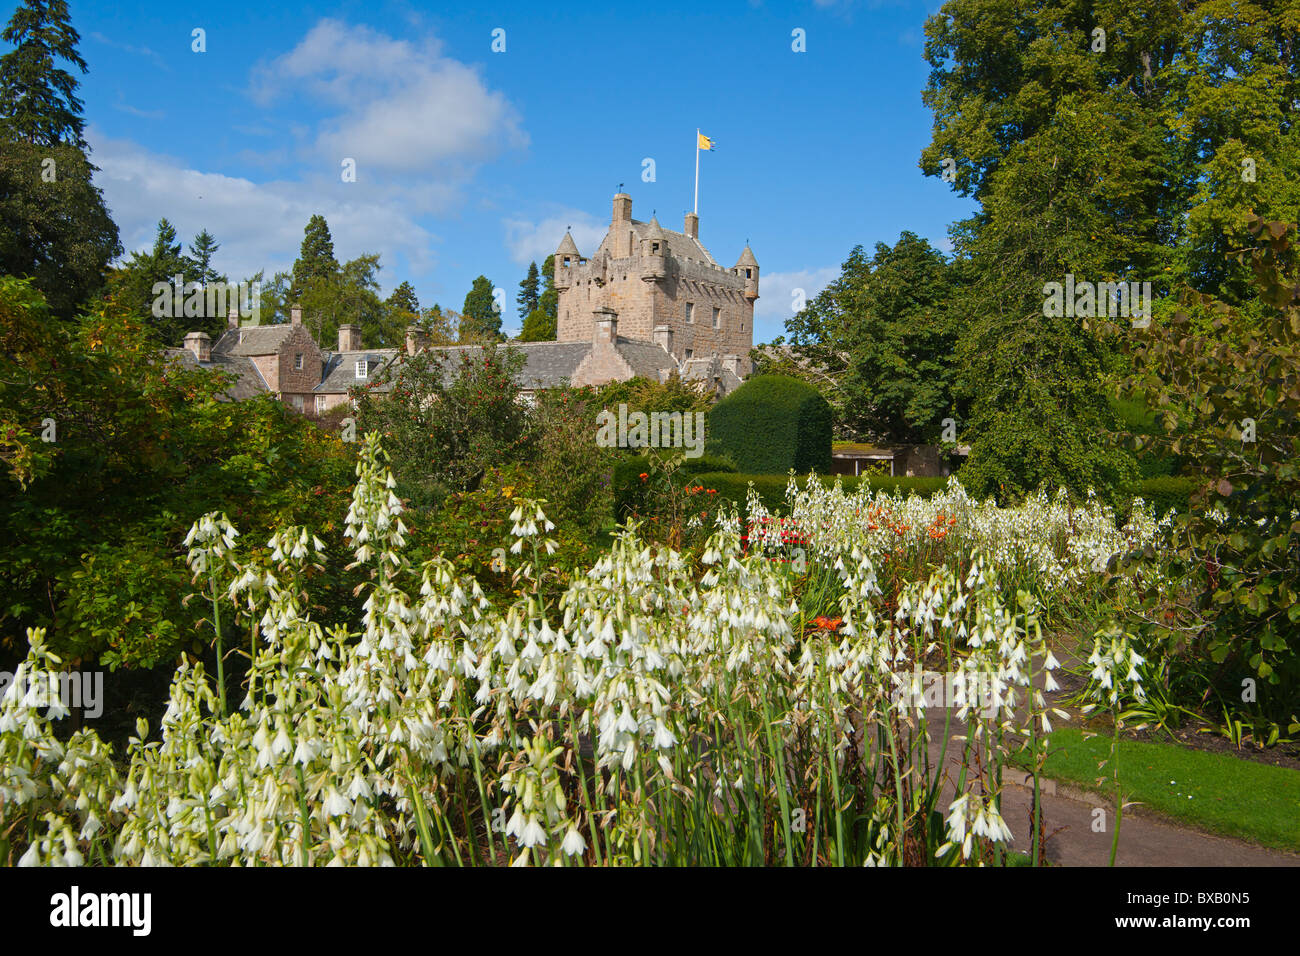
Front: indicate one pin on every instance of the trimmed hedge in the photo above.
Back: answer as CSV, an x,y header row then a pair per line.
x,y
771,424
1166,493
629,489
771,488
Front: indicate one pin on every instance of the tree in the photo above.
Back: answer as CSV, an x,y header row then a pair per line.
x,y
1233,415
54,225
549,300
446,418
883,336
316,260
202,250
404,301
538,327
480,318
132,286
528,291
38,101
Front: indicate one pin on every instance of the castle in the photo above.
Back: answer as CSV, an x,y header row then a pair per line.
x,y
650,284
649,303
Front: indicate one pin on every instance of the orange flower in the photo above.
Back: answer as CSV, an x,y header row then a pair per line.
x,y
644,475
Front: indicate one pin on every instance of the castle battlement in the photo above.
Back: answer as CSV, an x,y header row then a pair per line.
x,y
656,281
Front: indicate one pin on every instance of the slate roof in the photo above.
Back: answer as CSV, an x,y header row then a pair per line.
x,y
257,339
709,370
647,359
341,369
248,381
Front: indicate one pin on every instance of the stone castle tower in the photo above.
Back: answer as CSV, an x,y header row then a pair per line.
x,y
658,286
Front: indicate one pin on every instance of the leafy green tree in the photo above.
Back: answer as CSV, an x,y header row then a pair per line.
x,y
38,100
529,291
437,326
480,319
54,225
1232,414
549,300
138,448
538,327
883,335
446,418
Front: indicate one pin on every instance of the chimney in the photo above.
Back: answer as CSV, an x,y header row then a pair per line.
x,y
692,225
295,315
622,208
732,364
414,339
232,320
606,326
200,345
662,336
350,338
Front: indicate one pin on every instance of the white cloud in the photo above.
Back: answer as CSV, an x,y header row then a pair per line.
x,y
777,297
259,225
533,241
400,105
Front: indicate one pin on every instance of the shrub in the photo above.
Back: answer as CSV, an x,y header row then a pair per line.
x,y
771,424
631,497
570,471
1165,494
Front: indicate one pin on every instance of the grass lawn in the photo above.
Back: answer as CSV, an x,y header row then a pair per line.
x,y
1216,792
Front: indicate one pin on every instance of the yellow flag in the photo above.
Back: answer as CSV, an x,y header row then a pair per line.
x,y
705,142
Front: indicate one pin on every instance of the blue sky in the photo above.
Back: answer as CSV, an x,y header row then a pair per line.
x,y
470,161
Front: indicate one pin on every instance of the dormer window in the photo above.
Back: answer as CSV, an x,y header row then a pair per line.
x,y
363,367
297,360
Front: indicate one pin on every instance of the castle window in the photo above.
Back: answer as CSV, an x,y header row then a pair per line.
x,y
363,367
690,311
749,273
297,402
689,354
717,318
297,360
654,248
566,261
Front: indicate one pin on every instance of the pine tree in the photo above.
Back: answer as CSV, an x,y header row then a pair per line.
x,y
480,318
528,291
316,260
403,300
203,248
549,300
38,101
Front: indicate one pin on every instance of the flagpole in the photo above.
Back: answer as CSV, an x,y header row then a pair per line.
x,y
697,171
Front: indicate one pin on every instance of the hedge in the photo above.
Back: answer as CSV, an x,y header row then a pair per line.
x,y
771,488
1165,493
629,489
773,423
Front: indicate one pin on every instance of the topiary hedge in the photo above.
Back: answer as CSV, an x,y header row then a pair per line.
x,y
771,424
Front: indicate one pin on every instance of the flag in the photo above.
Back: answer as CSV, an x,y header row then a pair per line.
x,y
704,142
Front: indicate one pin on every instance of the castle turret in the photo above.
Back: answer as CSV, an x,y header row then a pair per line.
x,y
654,252
747,269
566,257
